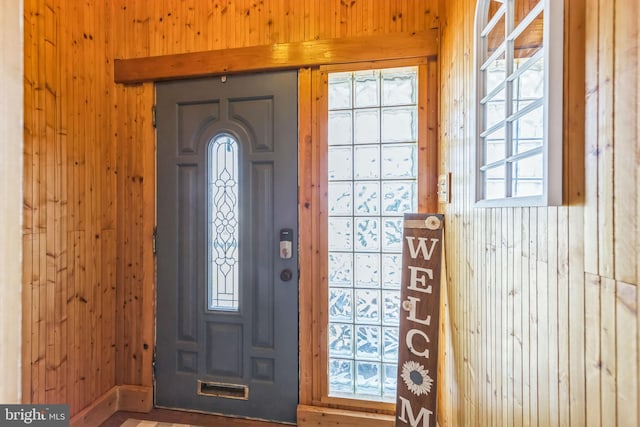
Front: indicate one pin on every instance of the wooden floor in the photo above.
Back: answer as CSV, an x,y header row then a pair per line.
x,y
168,416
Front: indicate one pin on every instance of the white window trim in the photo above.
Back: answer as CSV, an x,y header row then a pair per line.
x,y
552,148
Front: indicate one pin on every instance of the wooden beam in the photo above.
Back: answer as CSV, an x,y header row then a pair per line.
x,y
277,57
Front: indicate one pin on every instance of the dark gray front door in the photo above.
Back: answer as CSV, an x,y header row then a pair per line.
x,y
227,312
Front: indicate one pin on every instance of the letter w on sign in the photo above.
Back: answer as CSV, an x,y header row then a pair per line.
x,y
419,320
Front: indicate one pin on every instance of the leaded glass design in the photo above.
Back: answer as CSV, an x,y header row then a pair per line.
x,y
372,172
223,224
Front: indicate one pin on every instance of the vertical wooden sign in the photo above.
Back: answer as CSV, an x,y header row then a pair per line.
x,y
419,320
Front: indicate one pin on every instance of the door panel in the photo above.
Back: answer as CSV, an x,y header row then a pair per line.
x,y
224,229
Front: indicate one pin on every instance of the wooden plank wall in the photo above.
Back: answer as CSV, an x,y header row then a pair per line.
x,y
11,117
89,159
543,301
69,228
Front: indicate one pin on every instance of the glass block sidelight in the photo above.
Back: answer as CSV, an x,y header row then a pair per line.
x,y
223,224
372,171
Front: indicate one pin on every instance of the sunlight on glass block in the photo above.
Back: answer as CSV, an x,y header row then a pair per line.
x,y
367,306
398,197
494,183
367,234
390,344
340,376
340,304
392,234
368,342
368,378
375,175
399,86
399,124
527,177
366,88
340,196
340,234
495,146
391,308
339,90
495,110
367,126
367,270
339,128
340,340
339,163
391,268
528,131
367,161
399,161
340,269
389,381
367,199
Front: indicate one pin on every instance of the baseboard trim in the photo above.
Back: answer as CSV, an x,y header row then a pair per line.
x,y
314,416
131,398
135,398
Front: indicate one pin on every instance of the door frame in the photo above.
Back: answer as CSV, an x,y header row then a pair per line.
x,y
144,70
313,209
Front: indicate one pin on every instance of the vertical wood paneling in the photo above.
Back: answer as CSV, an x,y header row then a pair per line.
x,y
550,286
627,354
69,186
625,135
89,168
89,159
11,175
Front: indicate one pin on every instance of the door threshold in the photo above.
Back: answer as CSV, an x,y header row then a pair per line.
x,y
234,420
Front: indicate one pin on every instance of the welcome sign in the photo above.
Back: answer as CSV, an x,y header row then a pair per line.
x,y
419,320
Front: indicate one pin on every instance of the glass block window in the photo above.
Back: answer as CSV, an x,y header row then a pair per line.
x,y
519,115
223,223
372,173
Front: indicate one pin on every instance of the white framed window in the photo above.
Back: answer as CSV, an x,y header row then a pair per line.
x,y
519,79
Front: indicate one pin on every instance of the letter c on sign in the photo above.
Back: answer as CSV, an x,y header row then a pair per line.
x,y
409,342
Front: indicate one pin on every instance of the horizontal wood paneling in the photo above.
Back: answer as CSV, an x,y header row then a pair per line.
x,y
545,299
89,159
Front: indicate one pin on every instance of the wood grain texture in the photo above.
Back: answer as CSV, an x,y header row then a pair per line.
x,y
89,167
89,171
540,293
277,57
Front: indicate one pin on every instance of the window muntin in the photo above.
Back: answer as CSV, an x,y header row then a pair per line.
x,y
223,223
519,135
372,173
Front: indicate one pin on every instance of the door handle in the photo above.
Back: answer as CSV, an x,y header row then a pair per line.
x,y
286,275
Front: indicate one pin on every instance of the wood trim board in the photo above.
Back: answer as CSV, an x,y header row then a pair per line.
x,y
130,398
277,57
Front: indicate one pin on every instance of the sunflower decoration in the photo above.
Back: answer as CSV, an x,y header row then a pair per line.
x,y
416,378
